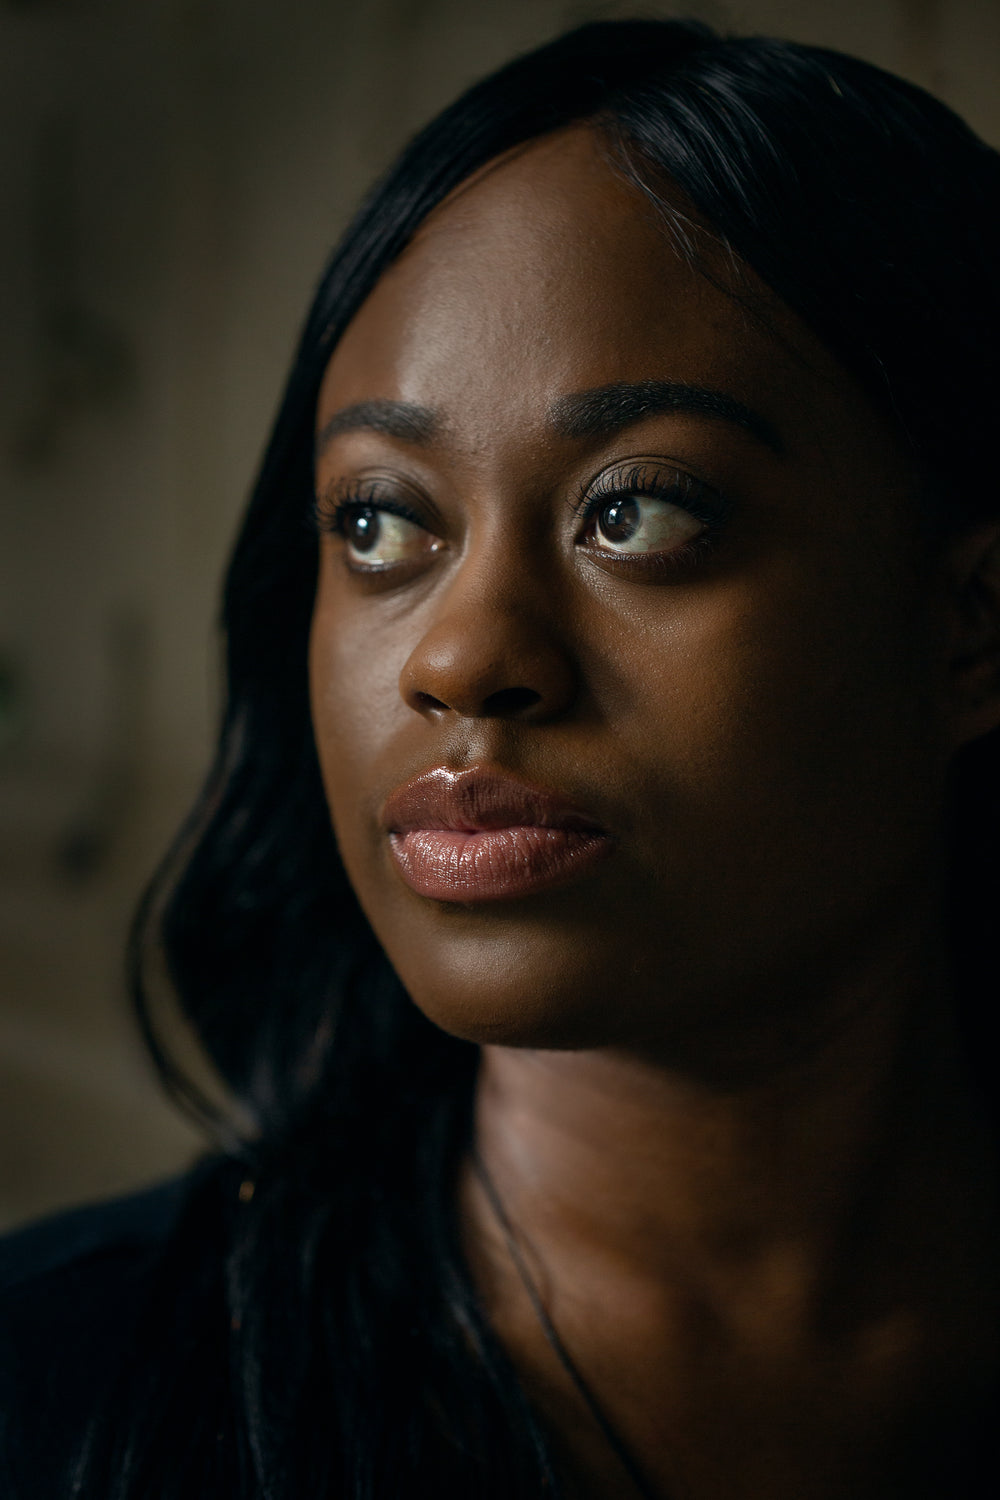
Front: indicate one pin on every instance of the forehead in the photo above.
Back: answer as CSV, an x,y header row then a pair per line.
x,y
549,273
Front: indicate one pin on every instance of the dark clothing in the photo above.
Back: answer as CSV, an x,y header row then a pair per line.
x,y
71,1288
74,1287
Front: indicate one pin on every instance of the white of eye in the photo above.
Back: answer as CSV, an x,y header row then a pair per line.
x,y
380,539
643,523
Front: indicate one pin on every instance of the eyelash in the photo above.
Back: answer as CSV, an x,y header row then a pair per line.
x,y
331,513
675,486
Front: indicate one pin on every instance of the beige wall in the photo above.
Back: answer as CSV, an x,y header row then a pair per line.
x,y
172,174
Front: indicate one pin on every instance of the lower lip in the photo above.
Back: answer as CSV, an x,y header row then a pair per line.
x,y
494,864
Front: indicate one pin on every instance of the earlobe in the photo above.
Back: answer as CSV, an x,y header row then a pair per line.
x,y
975,642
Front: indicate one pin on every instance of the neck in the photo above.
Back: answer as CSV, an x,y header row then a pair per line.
x,y
760,1279
637,1169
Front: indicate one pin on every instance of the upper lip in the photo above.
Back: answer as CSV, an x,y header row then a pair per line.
x,y
478,799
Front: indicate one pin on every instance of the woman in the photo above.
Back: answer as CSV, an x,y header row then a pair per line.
x,y
621,586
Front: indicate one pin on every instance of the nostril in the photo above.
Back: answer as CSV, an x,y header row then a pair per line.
x,y
508,701
429,704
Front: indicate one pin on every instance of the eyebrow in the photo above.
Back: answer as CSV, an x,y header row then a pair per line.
x,y
398,419
608,408
599,412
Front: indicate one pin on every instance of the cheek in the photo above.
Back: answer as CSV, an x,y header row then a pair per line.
x,y
763,739
353,676
354,702
785,726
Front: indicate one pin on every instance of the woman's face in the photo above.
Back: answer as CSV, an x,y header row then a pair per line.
x,y
623,586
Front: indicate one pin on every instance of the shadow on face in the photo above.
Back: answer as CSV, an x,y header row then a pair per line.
x,y
591,527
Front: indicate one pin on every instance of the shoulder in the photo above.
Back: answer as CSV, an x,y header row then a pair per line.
x,y
78,1272
71,1290
64,1242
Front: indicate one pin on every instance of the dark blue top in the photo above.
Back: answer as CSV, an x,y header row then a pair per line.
x,y
71,1288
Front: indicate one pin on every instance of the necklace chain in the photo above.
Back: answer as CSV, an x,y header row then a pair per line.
x,y
613,1439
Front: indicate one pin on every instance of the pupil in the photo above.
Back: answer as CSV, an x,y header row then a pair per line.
x,y
362,530
619,521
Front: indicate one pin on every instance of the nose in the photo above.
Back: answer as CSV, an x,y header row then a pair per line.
x,y
493,649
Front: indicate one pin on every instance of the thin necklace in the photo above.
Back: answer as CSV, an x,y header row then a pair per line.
x,y
611,1437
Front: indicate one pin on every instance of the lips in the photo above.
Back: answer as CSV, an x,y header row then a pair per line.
x,y
478,835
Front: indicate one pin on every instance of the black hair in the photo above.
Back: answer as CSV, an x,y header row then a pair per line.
x,y
315,1331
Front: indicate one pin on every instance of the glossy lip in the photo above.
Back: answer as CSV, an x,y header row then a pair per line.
x,y
481,835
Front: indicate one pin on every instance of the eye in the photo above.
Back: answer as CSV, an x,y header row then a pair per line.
x,y
650,515
378,535
381,539
643,523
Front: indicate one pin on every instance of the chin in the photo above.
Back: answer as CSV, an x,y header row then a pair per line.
x,y
515,993
496,1021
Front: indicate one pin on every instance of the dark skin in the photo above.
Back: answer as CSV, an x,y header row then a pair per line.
x,y
721,1095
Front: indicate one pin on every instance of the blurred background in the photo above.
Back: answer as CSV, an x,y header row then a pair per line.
x,y
172,175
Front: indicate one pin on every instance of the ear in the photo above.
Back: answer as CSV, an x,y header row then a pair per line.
x,y
974,663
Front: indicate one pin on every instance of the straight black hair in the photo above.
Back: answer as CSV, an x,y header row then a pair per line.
x,y
314,1330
